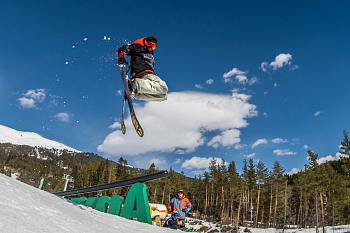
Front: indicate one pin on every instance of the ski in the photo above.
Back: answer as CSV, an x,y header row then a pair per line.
x,y
122,118
134,120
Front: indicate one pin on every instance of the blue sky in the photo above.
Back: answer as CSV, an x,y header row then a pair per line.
x,y
266,80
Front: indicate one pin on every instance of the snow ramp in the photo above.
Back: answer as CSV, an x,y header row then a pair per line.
x,y
25,208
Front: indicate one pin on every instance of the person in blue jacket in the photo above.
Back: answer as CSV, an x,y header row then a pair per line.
x,y
180,204
172,221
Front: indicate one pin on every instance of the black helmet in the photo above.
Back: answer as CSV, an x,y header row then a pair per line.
x,y
152,39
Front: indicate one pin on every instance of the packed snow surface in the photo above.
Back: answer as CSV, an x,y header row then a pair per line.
x,y
8,135
24,208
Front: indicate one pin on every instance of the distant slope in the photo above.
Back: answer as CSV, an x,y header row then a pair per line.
x,y
27,209
8,135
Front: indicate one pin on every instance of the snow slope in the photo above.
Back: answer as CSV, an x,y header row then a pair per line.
x,y
24,208
8,135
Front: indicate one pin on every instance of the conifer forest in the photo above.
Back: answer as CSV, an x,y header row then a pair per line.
x,y
259,197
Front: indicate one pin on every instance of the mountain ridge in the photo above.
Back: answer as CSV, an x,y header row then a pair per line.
x,y
9,135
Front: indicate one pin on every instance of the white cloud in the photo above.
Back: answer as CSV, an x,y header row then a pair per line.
x,y
305,147
253,80
293,171
38,94
250,155
240,76
180,152
199,163
317,113
279,152
279,140
116,125
264,66
227,138
181,123
32,97
62,117
239,146
233,72
53,102
265,114
227,76
294,67
295,141
26,103
198,86
280,61
209,81
156,162
177,161
275,85
242,79
258,142
238,90
337,156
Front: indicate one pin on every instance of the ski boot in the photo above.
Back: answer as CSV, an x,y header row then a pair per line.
x,y
132,88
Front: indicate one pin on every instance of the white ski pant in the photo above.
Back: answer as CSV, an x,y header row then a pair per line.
x,y
151,88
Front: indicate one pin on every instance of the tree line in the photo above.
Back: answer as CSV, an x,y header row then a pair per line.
x,y
317,196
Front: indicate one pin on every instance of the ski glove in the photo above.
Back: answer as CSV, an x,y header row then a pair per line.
x,y
122,60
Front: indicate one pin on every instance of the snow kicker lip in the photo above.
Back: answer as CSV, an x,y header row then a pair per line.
x,y
117,184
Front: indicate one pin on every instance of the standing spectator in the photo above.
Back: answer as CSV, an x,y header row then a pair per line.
x,y
180,204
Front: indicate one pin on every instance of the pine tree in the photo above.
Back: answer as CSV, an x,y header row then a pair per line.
x,y
195,193
78,183
123,172
251,175
262,176
251,181
106,172
214,180
245,190
313,160
345,145
207,192
279,180
235,184
345,156
224,176
173,184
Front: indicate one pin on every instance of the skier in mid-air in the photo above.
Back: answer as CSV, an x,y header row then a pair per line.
x,y
144,84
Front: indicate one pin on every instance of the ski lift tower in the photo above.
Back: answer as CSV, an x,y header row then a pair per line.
x,y
68,178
